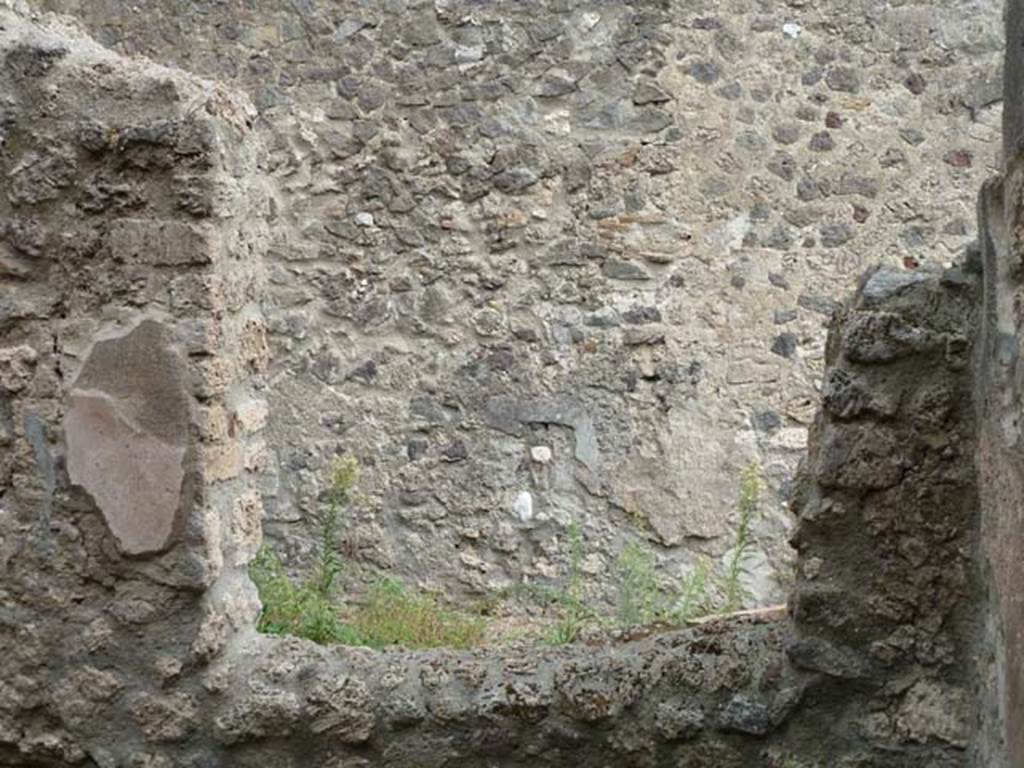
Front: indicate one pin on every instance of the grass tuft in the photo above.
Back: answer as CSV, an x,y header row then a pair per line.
x,y
639,596
302,610
392,615
575,613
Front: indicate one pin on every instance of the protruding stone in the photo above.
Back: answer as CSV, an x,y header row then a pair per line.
x,y
222,462
885,283
161,243
881,337
17,365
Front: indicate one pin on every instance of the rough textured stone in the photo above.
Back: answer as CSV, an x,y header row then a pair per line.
x,y
889,508
166,718
17,364
127,177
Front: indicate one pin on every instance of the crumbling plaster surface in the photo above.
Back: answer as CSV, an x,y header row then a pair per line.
x,y
613,230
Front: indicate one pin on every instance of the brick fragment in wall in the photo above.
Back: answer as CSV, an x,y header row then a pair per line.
x,y
256,457
213,423
221,461
212,376
161,243
246,532
254,348
251,415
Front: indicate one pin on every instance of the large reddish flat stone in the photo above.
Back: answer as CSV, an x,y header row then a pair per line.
x,y
127,434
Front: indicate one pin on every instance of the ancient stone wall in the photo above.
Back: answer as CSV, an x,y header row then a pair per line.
x,y
132,232
876,667
545,261
132,349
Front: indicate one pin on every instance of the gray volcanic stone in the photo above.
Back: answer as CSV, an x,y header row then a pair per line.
x,y
785,345
441,332
822,142
745,716
885,283
881,337
624,270
835,234
843,79
676,721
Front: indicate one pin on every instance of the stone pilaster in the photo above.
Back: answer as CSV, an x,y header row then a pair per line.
x,y
887,601
132,351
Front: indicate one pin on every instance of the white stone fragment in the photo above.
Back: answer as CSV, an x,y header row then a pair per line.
x,y
589,20
364,219
523,506
729,235
541,454
792,30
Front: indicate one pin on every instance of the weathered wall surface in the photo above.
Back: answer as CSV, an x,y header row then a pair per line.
x,y
132,253
877,667
611,232
1001,447
131,239
888,598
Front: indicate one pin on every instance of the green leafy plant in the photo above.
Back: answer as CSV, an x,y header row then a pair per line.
x,y
343,477
391,614
694,595
704,591
734,594
306,609
638,598
302,610
575,613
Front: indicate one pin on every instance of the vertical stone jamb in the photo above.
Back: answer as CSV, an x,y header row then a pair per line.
x,y
132,354
886,600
